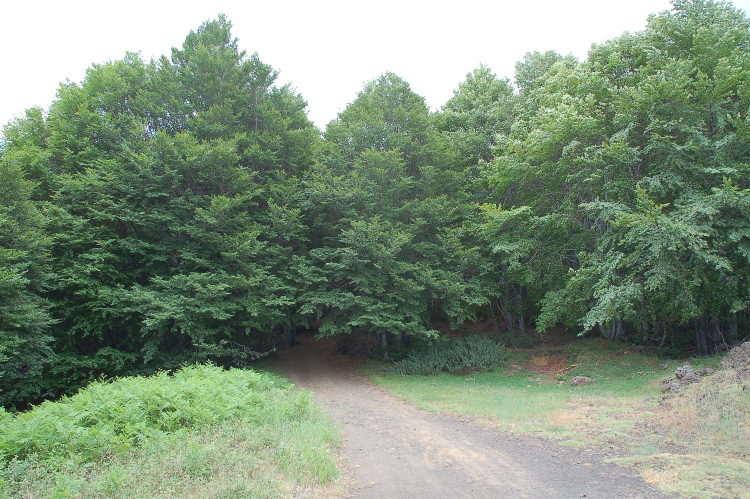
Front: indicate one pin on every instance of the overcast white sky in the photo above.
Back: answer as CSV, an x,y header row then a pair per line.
x,y
327,48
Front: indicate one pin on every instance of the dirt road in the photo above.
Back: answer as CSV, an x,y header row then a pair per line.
x,y
394,450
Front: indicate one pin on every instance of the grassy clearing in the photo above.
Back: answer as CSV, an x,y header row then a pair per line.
x,y
695,443
202,432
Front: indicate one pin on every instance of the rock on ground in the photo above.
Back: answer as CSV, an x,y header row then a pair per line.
x,y
684,376
581,380
738,357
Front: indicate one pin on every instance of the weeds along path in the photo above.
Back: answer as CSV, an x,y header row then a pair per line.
x,y
392,449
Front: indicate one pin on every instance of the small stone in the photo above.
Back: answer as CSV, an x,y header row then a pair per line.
x,y
706,371
581,380
690,378
674,387
683,371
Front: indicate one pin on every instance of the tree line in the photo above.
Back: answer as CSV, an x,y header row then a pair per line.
x,y
186,209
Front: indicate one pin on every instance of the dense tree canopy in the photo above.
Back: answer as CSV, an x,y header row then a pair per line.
x,y
185,208
391,259
665,172
171,210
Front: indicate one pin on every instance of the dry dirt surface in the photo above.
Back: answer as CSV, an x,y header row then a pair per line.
x,y
392,449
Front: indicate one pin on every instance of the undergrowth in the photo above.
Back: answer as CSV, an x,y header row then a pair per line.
x,y
199,431
455,355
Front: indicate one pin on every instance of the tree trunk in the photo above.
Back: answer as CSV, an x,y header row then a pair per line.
x,y
290,335
367,344
508,318
614,331
518,308
272,341
495,324
717,336
700,336
603,332
643,320
619,329
732,331
384,345
659,328
506,304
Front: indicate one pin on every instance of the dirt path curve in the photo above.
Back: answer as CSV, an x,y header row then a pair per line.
x,y
395,450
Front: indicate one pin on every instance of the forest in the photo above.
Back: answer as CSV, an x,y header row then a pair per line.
x,y
185,209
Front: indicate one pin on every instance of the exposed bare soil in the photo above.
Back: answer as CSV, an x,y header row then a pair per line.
x,y
393,449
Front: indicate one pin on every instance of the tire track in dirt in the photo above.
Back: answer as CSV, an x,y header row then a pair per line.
x,y
393,450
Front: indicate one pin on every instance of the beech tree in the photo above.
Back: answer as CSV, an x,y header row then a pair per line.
x,y
391,256
173,231
673,177
480,111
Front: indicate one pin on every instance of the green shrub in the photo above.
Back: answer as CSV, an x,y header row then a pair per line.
x,y
456,355
112,417
200,432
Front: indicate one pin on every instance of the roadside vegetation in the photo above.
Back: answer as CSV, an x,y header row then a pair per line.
x,y
454,355
694,443
200,432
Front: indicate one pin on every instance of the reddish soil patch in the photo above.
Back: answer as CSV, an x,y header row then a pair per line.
x,y
548,363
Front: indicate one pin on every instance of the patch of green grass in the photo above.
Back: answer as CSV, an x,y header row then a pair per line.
x,y
202,432
513,401
529,400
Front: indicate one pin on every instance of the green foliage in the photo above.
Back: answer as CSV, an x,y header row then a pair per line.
x,y
170,198
24,267
386,116
374,288
532,70
392,252
480,110
635,151
454,355
200,430
113,417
